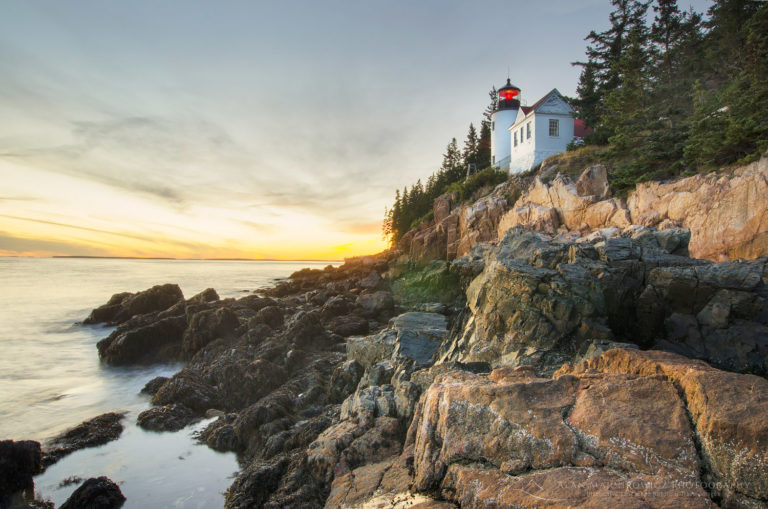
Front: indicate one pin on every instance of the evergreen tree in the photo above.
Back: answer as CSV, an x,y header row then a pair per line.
x,y
587,104
452,163
494,104
729,123
484,146
601,71
471,146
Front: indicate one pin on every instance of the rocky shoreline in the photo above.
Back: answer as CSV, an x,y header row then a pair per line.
x,y
544,368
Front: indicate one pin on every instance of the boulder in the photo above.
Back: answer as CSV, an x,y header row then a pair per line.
x,y
141,341
593,181
531,217
123,306
368,403
151,387
205,326
344,380
376,305
370,282
256,483
411,337
476,433
19,462
96,493
726,410
171,417
336,306
188,388
305,330
220,434
91,433
207,295
270,315
255,302
349,325
419,336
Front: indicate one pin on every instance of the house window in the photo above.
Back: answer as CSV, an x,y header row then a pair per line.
x,y
554,127
528,130
514,135
521,134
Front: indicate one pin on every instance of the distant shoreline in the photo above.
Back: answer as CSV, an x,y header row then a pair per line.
x,y
175,259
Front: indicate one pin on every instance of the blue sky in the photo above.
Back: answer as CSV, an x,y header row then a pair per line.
x,y
258,129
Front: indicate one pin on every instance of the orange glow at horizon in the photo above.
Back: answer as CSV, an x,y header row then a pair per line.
x,y
72,216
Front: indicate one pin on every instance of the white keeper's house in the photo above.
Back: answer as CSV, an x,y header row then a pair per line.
x,y
523,136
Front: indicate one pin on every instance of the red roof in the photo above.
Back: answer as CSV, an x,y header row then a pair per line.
x,y
526,109
580,129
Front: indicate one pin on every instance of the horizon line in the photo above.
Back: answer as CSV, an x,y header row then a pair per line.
x,y
178,259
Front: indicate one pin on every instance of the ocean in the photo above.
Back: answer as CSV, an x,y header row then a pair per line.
x,y
51,378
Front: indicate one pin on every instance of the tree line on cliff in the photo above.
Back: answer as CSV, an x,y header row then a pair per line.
x,y
414,204
669,91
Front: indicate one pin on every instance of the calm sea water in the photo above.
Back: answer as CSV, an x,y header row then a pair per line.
x,y
51,377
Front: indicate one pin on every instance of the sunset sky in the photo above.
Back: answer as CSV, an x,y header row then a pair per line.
x,y
248,129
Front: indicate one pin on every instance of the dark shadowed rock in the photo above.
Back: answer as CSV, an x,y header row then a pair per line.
x,y
189,389
255,302
270,315
19,462
107,312
166,418
240,382
154,385
256,482
349,325
206,326
411,337
96,493
336,306
123,306
91,433
207,295
305,329
220,434
146,342
344,381
376,305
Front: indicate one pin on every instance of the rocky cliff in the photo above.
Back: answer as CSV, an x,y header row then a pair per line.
x,y
726,212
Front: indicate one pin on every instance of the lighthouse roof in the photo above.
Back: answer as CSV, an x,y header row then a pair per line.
x,y
508,85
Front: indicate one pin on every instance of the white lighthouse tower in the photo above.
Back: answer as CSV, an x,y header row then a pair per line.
x,y
501,120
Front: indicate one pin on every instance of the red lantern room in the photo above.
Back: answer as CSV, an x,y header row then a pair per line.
x,y
509,97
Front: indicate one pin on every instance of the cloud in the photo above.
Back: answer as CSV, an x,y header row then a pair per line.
x,y
18,198
12,245
123,235
372,228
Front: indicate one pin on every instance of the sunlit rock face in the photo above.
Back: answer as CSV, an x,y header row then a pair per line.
x,y
593,435
726,213
543,302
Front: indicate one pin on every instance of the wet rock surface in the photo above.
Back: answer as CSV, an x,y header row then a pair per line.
x,y
19,462
96,493
123,306
91,433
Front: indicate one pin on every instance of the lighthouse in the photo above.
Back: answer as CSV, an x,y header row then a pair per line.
x,y
501,120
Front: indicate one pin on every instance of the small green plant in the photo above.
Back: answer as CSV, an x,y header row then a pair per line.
x,y
489,177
